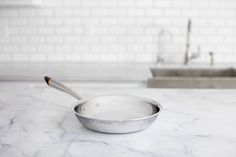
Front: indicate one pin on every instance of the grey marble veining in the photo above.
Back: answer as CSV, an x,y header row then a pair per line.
x,y
37,121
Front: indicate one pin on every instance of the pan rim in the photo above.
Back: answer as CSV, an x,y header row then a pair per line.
x,y
148,100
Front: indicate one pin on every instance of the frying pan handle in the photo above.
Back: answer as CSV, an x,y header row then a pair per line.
x,y
57,85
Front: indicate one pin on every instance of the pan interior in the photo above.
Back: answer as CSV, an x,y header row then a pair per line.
x,y
116,108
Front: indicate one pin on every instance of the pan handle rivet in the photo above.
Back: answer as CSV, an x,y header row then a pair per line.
x,y
97,105
82,108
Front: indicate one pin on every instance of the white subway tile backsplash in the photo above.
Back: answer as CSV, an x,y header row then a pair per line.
x,y
151,49
163,21
126,3
9,48
226,13
72,21
46,48
164,3
63,48
209,31
72,39
78,30
135,12
108,21
126,39
19,40
143,58
20,57
99,48
34,57
99,12
63,30
171,12
36,22
88,4
154,12
190,13
46,31
55,57
118,30
108,3
81,12
202,4
216,22
74,58
17,21
117,12
83,48
108,40
53,3
184,4
27,48
36,39
199,40
117,48
5,57
218,4
44,12
135,48
153,31
54,39
26,12
146,3
9,12
144,21
27,30
230,22
144,39
63,12
71,3
53,21
135,30
107,57
214,40
124,21
230,41
88,57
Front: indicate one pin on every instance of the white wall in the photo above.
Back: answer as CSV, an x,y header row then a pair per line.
x,y
117,30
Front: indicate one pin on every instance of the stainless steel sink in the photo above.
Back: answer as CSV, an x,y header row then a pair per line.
x,y
192,77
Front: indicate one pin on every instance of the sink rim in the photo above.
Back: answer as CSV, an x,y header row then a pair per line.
x,y
196,72
192,78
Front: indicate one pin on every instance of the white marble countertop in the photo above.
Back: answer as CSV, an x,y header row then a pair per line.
x,y
36,121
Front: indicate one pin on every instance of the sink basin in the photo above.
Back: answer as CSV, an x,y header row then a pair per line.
x,y
192,77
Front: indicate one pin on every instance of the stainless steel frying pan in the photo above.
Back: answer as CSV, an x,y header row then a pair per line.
x,y
112,113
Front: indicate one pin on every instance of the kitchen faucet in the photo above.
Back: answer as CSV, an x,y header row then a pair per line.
x,y
211,58
187,57
160,60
